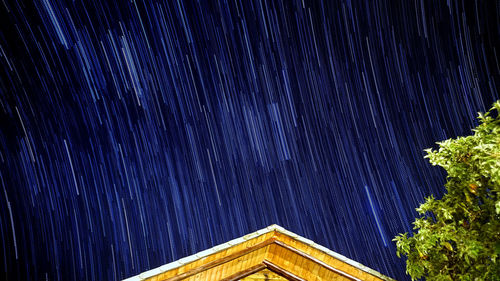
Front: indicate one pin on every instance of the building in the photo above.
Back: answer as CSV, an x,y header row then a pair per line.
x,y
272,253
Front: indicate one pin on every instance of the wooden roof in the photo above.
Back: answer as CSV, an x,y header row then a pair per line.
x,y
273,251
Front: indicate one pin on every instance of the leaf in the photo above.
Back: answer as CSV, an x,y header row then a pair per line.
x,y
448,246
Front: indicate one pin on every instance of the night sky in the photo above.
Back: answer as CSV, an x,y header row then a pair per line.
x,y
135,133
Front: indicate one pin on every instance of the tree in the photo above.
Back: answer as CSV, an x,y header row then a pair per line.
x,y
458,236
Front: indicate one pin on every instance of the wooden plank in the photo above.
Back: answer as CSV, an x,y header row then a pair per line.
x,y
207,256
341,263
220,261
317,261
245,273
281,271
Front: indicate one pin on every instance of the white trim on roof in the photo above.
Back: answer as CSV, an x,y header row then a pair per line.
x,y
224,246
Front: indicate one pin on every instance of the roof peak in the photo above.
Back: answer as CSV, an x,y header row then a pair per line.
x,y
253,236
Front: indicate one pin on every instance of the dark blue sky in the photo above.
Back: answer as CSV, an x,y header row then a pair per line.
x,y
136,133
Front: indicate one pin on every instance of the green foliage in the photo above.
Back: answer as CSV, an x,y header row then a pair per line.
x,y
458,236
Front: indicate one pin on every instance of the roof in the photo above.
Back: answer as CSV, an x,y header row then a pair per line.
x,y
272,248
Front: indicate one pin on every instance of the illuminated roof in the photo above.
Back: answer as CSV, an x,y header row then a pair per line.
x,y
273,252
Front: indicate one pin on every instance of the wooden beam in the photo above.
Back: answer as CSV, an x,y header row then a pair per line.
x,y
220,261
281,271
265,263
315,260
245,273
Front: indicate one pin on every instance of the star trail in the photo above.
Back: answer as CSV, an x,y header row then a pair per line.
x,y
134,133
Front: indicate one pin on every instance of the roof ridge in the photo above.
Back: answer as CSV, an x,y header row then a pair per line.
x,y
236,241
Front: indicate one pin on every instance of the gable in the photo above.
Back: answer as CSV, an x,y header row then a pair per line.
x,y
272,249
